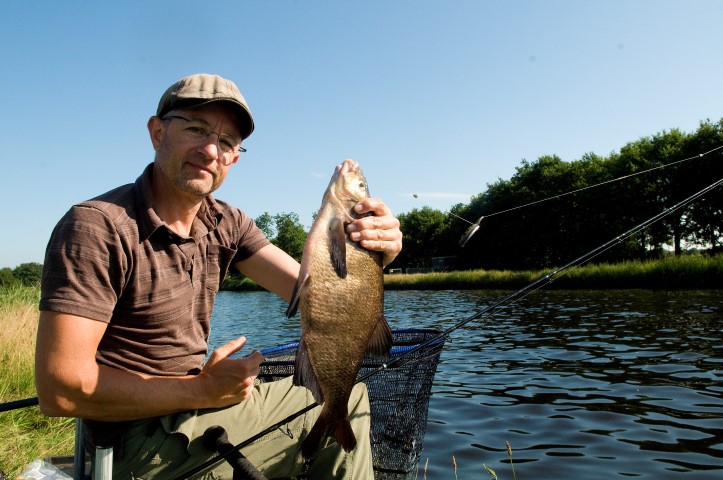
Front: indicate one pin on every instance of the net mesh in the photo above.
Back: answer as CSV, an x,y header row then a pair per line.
x,y
399,396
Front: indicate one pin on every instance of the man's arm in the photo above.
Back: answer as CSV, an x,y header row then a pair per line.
x,y
273,269
70,382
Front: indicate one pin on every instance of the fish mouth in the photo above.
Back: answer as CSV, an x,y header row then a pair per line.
x,y
347,166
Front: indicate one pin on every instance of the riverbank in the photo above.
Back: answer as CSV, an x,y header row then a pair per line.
x,y
673,273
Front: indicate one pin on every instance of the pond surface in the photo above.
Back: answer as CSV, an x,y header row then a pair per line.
x,y
582,384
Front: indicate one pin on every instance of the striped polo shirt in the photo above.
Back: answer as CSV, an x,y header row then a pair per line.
x,y
113,260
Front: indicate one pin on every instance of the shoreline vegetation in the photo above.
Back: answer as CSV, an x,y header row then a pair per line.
x,y
26,434
696,271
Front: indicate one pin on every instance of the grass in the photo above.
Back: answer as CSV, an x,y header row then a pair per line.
x,y
25,434
690,271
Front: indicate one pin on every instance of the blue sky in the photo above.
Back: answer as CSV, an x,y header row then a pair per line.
x,y
437,98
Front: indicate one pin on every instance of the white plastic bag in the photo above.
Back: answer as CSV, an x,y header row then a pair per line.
x,y
42,470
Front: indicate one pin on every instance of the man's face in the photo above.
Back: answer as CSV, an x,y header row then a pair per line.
x,y
190,148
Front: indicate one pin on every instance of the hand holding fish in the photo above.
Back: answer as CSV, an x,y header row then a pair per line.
x,y
226,381
379,232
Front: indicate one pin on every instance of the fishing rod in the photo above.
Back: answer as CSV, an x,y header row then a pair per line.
x,y
14,405
511,298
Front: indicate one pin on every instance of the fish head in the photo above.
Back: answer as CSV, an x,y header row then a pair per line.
x,y
348,183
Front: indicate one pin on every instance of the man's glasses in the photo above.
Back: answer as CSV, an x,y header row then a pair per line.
x,y
196,130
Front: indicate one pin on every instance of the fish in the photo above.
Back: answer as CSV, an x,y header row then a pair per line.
x,y
340,292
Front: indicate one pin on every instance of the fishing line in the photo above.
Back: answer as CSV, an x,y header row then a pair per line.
x,y
474,226
487,311
624,177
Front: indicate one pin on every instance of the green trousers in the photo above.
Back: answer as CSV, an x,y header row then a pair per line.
x,y
169,446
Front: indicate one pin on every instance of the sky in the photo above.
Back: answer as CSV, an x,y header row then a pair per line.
x,y
433,98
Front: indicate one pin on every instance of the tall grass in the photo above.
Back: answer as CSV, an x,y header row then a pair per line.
x,y
690,271
25,434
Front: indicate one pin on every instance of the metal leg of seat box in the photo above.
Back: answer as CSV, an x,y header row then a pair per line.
x,y
103,468
79,455
103,464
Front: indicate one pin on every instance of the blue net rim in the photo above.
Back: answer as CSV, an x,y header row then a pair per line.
x,y
396,350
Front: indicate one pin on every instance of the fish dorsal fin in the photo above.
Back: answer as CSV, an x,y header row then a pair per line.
x,y
337,246
380,341
304,373
296,294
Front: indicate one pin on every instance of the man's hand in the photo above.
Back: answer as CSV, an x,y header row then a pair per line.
x,y
227,381
379,232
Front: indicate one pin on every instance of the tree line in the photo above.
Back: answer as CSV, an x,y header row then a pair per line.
x,y
533,220
24,274
552,211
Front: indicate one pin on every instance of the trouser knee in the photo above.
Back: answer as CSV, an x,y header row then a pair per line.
x,y
359,399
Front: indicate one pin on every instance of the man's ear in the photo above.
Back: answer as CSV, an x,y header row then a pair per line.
x,y
155,130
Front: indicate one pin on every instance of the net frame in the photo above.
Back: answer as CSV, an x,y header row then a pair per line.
x,y
398,394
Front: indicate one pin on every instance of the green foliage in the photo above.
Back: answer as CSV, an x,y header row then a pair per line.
x,y
28,273
7,278
290,234
266,223
424,230
285,231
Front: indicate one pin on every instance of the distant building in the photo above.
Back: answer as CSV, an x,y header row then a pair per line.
x,y
444,264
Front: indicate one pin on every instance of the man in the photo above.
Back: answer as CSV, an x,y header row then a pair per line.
x,y
128,287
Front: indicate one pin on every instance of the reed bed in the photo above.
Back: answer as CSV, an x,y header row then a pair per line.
x,y
25,434
685,272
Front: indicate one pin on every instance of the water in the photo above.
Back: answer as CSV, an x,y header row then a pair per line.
x,y
583,384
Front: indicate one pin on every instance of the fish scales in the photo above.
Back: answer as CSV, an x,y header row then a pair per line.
x,y
340,293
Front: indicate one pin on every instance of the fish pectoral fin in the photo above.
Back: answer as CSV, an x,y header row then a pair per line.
x,y
296,294
337,246
304,375
380,341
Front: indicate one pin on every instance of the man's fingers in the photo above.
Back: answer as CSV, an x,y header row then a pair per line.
x,y
225,351
374,205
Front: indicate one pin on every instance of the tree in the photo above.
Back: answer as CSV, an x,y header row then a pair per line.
x,y
28,273
266,223
423,237
290,234
7,278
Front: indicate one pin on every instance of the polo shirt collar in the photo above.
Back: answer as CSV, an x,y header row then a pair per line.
x,y
207,218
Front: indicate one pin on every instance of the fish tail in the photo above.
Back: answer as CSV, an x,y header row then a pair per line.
x,y
326,425
345,435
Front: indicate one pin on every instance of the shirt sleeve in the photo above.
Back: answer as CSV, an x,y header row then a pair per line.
x,y
251,238
84,265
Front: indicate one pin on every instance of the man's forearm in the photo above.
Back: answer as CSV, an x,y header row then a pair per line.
x,y
110,394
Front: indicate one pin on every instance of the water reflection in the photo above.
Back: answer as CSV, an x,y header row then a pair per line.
x,y
583,384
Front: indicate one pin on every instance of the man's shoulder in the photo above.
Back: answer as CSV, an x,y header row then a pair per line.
x,y
117,205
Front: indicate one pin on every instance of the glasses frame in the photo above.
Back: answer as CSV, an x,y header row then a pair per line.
x,y
208,133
